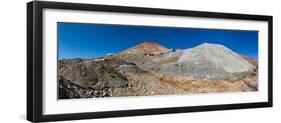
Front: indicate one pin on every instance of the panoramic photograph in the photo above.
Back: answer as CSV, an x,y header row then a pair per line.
x,y
106,60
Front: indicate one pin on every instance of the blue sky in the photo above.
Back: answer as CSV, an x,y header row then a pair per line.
x,y
78,40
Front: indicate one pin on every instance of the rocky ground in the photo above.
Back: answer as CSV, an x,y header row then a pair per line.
x,y
151,69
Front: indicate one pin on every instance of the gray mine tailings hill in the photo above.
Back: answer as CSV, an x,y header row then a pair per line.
x,y
208,61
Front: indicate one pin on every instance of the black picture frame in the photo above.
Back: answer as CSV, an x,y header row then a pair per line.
x,y
34,60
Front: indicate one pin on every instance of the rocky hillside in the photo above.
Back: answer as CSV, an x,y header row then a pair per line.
x,y
68,90
152,69
99,75
250,60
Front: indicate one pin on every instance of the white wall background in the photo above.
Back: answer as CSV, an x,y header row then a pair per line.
x,y
13,61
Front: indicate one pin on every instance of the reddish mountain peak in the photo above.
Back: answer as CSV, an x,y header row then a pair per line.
x,y
150,44
148,48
